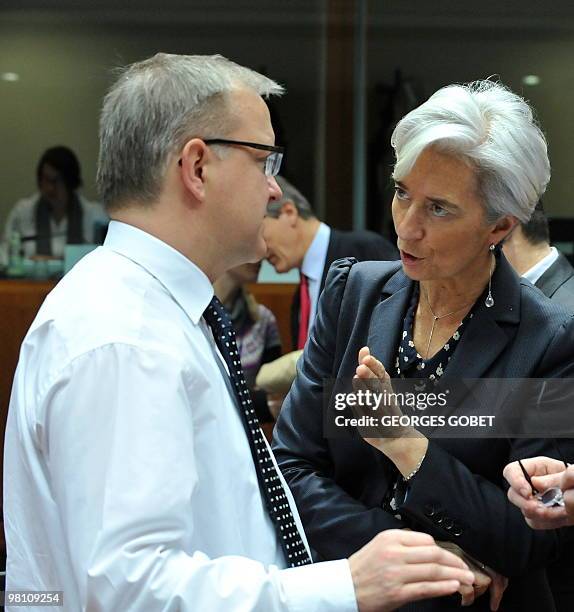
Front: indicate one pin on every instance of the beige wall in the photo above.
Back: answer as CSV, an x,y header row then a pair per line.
x,y
64,63
436,58
64,70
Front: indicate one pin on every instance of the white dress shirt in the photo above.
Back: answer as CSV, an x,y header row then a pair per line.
x,y
129,482
538,269
314,264
22,219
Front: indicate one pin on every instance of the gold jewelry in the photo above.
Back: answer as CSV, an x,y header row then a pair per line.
x,y
437,318
417,468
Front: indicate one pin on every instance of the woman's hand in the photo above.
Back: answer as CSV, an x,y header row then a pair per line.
x,y
371,376
485,579
404,446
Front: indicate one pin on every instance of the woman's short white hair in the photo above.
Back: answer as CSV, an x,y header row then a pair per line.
x,y
154,107
491,128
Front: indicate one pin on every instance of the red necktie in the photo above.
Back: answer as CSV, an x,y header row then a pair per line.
x,y
304,310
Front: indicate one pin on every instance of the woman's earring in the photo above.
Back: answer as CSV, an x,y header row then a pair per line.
x,y
489,301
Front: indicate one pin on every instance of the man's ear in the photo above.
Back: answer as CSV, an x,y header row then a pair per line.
x,y
291,213
502,228
193,163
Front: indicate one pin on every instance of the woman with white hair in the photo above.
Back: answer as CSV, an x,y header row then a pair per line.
x,y
470,163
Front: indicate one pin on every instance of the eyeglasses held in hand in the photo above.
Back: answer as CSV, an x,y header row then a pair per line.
x,y
550,498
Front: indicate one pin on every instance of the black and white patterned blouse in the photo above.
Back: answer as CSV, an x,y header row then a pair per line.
x,y
408,362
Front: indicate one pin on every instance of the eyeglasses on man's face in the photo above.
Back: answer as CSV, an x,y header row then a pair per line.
x,y
272,161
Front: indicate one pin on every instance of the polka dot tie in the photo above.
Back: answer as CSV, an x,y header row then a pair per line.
x,y
271,486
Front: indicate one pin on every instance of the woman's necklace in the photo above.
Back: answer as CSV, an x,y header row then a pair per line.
x,y
437,318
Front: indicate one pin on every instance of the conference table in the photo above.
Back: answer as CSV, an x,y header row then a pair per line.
x,y
19,303
21,299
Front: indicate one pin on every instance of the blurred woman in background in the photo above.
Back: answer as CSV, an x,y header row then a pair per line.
x,y
57,214
255,326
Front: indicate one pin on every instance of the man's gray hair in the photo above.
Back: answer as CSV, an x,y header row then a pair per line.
x,y
290,194
154,108
494,130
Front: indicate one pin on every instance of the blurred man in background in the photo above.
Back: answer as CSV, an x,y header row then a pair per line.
x,y
528,250
296,238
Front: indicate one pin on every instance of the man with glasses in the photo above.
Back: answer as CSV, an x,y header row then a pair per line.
x,y
136,475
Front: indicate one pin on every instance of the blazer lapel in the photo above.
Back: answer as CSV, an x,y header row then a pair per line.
x,y
556,275
485,337
387,319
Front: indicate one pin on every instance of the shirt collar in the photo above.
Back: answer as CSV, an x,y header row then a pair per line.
x,y
314,260
187,284
538,269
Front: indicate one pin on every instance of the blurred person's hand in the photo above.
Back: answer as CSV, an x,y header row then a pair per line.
x,y
544,473
276,377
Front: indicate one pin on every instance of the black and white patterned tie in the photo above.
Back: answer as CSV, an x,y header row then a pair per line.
x,y
271,486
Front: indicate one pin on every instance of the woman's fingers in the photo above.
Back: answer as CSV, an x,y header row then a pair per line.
x,y
369,366
481,581
497,588
363,353
467,595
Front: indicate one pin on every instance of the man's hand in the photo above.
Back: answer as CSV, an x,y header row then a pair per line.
x,y
545,473
484,578
399,566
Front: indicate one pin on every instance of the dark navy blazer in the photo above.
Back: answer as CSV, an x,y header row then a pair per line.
x,y
459,493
